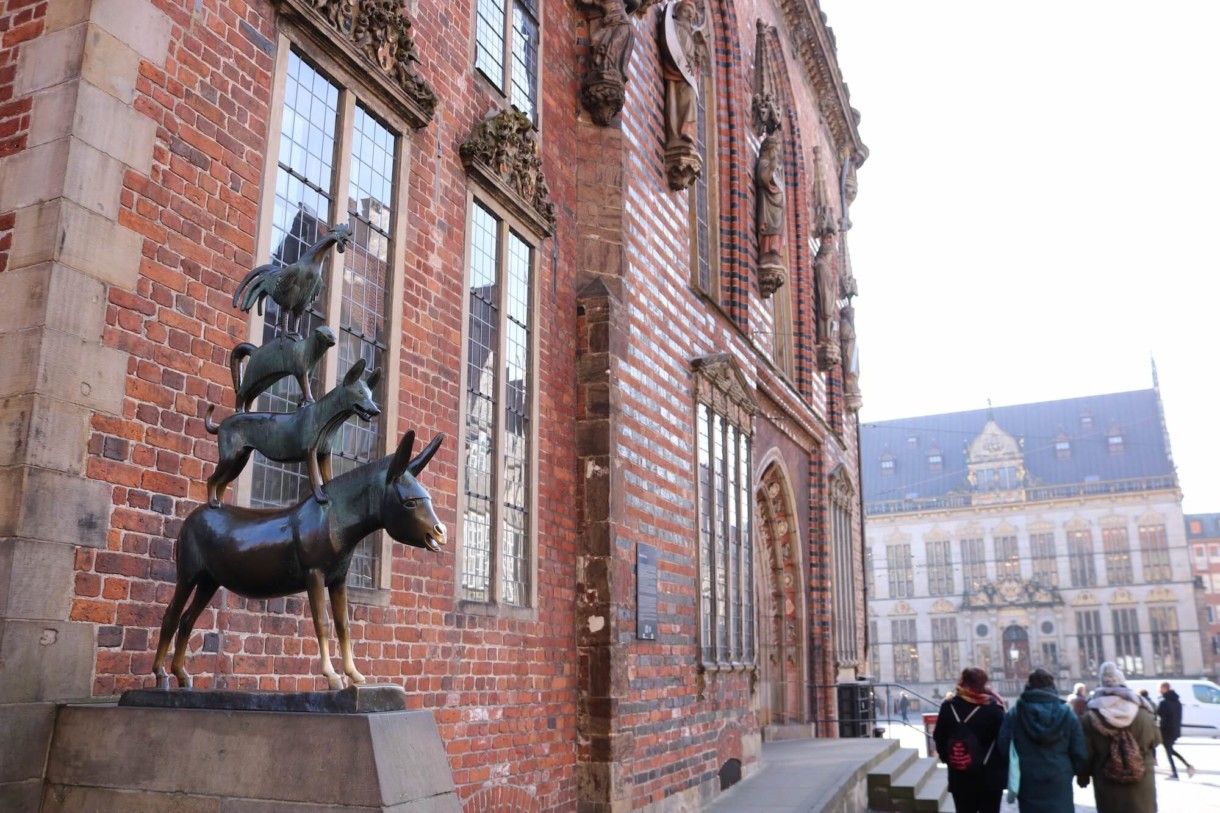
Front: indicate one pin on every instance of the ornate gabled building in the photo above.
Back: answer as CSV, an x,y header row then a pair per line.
x,y
1044,534
1203,536
600,245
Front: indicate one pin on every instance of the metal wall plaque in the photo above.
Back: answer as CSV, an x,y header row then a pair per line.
x,y
645,592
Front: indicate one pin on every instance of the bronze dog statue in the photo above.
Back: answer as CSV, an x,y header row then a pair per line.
x,y
279,358
291,437
272,552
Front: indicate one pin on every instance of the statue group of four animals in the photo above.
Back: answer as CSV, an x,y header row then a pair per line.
x,y
272,552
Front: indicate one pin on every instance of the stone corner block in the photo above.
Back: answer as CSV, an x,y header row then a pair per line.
x,y
45,660
36,580
23,749
54,296
61,231
33,361
51,59
54,507
140,24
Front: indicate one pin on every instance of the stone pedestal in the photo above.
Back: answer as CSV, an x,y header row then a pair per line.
x,y
124,759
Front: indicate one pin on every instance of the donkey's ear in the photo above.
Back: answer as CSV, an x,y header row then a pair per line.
x,y
417,465
402,457
353,375
374,377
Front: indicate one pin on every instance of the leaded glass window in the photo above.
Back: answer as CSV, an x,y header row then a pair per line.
x,y
507,42
496,564
1117,548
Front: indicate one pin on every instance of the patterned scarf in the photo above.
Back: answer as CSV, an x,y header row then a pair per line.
x,y
971,696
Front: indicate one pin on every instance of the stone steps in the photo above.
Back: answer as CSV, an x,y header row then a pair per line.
x,y
907,783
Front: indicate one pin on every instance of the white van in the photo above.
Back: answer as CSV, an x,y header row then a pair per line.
x,y
1200,703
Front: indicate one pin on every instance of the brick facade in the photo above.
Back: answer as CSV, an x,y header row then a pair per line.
x,y
133,144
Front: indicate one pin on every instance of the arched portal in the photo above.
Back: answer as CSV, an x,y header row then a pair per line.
x,y
779,588
1016,652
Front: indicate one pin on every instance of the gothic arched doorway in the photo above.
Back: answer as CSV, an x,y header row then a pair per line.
x,y
781,612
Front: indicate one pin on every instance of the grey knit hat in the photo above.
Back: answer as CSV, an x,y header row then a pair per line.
x,y
1110,676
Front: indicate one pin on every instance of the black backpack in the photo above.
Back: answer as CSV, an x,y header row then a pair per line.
x,y
962,750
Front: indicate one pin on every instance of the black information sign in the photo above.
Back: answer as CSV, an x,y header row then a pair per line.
x,y
645,592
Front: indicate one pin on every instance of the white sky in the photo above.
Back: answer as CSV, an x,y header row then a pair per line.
x,y
1037,215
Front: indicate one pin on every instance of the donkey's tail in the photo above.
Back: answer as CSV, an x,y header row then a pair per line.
x,y
207,421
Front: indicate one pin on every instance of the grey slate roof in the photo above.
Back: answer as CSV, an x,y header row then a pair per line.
x,y
1136,414
1209,526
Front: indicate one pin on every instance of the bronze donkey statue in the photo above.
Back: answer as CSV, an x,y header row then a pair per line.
x,y
291,437
272,552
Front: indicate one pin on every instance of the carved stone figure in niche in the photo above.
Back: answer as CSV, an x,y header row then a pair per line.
x,y
613,39
769,188
851,370
685,54
827,285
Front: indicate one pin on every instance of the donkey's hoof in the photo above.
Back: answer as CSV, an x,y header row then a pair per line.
x,y
321,497
335,682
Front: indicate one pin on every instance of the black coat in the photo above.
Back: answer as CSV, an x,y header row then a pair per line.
x,y
986,727
1169,714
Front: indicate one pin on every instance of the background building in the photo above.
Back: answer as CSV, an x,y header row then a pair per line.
x,y
1203,536
1023,536
557,260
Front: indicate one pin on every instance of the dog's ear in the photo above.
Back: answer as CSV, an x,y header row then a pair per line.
x,y
353,375
374,377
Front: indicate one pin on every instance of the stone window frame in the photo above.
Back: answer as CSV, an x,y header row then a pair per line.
x,y
1044,556
355,87
1154,552
904,646
945,650
1116,547
939,564
720,390
1166,639
974,562
505,85
1090,641
511,218
1128,653
842,527
900,570
1007,554
1081,565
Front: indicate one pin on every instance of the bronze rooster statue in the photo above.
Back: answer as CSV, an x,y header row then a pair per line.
x,y
292,287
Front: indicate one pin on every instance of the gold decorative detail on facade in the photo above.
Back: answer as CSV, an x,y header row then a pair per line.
x,y
502,153
943,606
1012,592
902,608
720,383
1123,596
1161,594
1086,599
377,35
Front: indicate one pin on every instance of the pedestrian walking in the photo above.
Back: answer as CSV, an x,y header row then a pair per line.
x,y
1169,715
1078,700
904,705
1120,736
1049,746
966,737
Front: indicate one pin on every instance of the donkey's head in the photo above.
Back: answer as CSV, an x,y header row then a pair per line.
x,y
406,508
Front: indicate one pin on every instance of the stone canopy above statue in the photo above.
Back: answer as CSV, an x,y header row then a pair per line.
x,y
1011,592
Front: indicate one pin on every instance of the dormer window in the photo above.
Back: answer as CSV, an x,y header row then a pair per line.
x,y
1114,441
887,464
1063,447
1086,421
913,441
936,460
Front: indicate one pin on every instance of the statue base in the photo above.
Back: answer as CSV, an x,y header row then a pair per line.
x,y
352,700
119,758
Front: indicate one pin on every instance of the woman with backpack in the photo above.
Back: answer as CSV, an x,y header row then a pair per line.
x,y
1049,746
966,734
1121,736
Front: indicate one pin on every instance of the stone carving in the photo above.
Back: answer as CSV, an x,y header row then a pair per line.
x,y
847,343
603,90
771,222
279,358
291,437
764,105
1012,591
720,383
378,32
293,287
943,606
503,153
684,47
827,288
265,553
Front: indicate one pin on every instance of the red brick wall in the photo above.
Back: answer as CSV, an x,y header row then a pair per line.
x,y
504,689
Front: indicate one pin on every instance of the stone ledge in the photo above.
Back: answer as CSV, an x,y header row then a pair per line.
x,y
352,700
